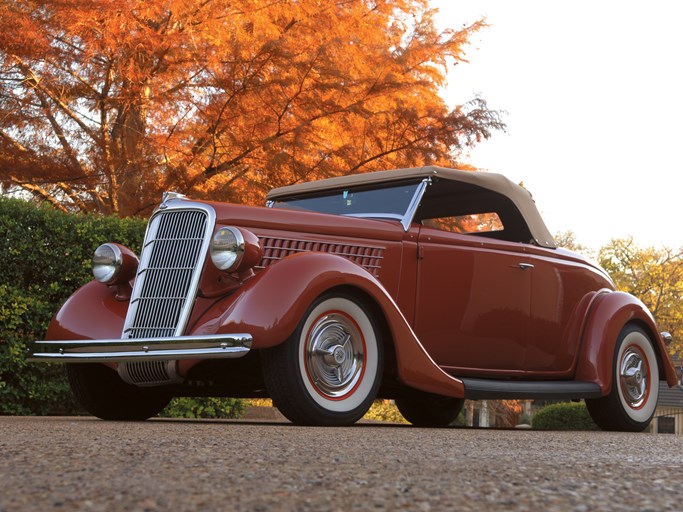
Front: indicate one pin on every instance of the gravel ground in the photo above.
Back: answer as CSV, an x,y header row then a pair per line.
x,y
87,464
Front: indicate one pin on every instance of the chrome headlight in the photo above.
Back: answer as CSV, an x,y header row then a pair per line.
x,y
106,263
227,248
114,264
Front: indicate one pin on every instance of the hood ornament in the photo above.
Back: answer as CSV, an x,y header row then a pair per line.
x,y
169,196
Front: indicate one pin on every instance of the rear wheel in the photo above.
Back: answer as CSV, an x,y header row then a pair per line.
x,y
429,410
631,403
102,393
329,370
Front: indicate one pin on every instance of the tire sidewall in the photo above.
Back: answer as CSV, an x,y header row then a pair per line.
x,y
102,393
361,396
635,337
429,410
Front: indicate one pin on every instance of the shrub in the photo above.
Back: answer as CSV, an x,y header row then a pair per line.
x,y
204,407
45,256
26,388
384,410
564,416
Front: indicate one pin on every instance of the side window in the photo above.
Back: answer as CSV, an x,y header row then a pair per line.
x,y
466,224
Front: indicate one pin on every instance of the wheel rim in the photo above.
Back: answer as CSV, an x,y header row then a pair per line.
x,y
335,355
634,376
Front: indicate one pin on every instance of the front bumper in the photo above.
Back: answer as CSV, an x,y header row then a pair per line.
x,y
216,346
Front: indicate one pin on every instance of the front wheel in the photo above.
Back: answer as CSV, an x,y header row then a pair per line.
x,y
102,393
632,401
328,372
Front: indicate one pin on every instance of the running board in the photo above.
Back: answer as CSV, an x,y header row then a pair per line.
x,y
489,389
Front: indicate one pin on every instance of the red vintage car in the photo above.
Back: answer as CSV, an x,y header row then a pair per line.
x,y
428,286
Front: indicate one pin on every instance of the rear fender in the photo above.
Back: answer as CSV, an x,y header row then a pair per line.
x,y
609,314
270,305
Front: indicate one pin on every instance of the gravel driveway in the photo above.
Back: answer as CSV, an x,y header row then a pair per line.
x,y
88,464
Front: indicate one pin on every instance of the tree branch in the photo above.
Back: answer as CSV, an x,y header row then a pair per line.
x,y
13,142
34,82
75,163
39,193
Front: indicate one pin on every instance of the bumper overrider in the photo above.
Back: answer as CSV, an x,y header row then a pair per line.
x,y
214,346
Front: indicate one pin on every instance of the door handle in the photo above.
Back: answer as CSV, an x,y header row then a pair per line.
x,y
525,266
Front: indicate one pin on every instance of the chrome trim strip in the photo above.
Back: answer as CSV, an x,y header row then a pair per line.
x,y
213,346
392,216
414,203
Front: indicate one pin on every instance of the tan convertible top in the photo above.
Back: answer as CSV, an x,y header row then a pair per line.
x,y
496,182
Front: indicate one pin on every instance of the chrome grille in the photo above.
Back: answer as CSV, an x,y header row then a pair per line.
x,y
274,249
167,279
149,373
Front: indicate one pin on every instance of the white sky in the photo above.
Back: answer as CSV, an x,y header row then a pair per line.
x,y
594,97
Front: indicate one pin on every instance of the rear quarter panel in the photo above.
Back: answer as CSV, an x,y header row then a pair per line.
x,y
610,313
563,287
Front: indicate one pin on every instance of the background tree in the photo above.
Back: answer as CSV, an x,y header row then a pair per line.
x,y
655,276
568,240
105,104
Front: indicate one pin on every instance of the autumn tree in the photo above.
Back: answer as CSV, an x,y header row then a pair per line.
x,y
568,240
105,104
653,275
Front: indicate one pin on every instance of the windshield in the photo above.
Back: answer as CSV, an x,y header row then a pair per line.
x,y
389,202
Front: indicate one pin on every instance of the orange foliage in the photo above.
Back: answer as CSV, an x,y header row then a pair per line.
x,y
103,105
473,223
507,412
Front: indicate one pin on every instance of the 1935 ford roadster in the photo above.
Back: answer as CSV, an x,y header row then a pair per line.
x,y
425,285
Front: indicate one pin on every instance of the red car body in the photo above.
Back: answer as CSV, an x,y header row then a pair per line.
x,y
466,291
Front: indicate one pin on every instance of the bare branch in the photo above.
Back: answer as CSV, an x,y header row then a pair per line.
x,y
34,82
59,132
39,193
13,142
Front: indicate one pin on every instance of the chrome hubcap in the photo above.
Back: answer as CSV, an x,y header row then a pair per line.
x,y
334,354
634,377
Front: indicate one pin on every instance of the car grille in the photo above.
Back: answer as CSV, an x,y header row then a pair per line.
x,y
167,279
274,249
149,373
165,287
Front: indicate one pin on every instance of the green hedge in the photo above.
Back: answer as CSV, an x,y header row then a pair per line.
x,y
204,407
45,255
564,416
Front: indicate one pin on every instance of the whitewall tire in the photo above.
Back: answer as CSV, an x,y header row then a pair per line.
x,y
632,401
328,372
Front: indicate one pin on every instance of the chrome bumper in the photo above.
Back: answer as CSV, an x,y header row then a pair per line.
x,y
214,346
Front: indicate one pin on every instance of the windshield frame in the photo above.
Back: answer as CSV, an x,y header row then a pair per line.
x,y
405,218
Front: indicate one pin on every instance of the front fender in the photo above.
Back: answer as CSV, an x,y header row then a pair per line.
x,y
607,317
270,305
92,312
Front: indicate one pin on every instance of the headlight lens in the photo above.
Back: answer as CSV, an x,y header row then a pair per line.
x,y
227,248
106,263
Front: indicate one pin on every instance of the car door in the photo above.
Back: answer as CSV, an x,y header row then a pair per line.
x,y
473,299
